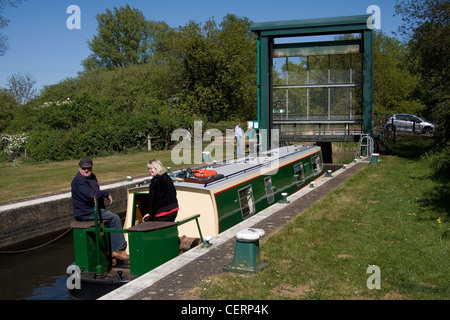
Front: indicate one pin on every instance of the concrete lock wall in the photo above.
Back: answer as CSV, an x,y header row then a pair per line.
x,y
25,223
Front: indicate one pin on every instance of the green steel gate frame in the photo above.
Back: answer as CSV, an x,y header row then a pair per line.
x,y
268,31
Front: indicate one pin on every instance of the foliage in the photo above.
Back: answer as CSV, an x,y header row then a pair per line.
x,y
393,84
12,145
429,54
157,80
428,33
8,106
416,13
86,126
440,161
124,38
218,69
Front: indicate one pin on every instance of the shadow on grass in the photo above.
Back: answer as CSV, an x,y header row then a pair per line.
x,y
438,201
413,147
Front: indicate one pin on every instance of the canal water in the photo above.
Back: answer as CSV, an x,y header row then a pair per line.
x,y
40,274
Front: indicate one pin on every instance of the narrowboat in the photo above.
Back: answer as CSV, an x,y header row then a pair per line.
x,y
212,199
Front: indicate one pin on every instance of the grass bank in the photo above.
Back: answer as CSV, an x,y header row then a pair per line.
x,y
25,181
19,182
393,215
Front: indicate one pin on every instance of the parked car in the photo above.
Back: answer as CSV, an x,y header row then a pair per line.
x,y
408,122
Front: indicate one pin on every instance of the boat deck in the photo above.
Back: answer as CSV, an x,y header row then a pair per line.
x,y
232,170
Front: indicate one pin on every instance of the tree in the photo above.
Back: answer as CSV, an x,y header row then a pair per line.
x,y
394,85
21,86
238,45
416,13
124,37
4,22
218,66
428,33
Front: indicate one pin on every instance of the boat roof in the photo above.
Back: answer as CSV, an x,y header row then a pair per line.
x,y
237,169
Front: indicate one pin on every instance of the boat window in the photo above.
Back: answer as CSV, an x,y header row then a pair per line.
x,y
269,189
246,201
299,174
316,165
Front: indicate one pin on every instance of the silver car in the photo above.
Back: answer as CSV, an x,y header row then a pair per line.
x,y
408,122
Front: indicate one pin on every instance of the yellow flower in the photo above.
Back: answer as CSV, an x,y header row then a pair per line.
x,y
439,220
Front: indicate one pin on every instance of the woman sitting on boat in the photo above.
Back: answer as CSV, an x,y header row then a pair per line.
x,y
163,196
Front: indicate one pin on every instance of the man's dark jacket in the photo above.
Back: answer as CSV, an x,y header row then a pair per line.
x,y
83,192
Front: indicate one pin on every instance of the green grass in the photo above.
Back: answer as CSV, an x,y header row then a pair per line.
x,y
26,181
393,215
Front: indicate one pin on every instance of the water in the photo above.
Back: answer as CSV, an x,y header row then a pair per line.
x,y
343,152
41,274
343,157
38,274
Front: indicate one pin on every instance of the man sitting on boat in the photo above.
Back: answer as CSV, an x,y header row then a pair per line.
x,y
85,188
163,196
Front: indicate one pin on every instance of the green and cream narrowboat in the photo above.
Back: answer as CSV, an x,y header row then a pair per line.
x,y
216,196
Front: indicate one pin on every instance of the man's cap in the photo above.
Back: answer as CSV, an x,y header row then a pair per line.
x,y
86,163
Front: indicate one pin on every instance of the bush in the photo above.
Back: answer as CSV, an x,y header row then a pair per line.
x,y
13,146
440,161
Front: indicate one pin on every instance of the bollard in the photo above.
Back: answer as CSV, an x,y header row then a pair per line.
x,y
374,158
206,242
329,174
311,185
284,197
247,257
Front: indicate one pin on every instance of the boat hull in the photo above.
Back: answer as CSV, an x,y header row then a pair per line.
x,y
93,287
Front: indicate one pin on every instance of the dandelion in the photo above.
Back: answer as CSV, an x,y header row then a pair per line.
x,y
438,220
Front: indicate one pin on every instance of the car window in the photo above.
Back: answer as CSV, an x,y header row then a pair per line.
x,y
402,117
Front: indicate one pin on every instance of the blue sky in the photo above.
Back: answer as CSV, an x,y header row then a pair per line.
x,y
40,42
